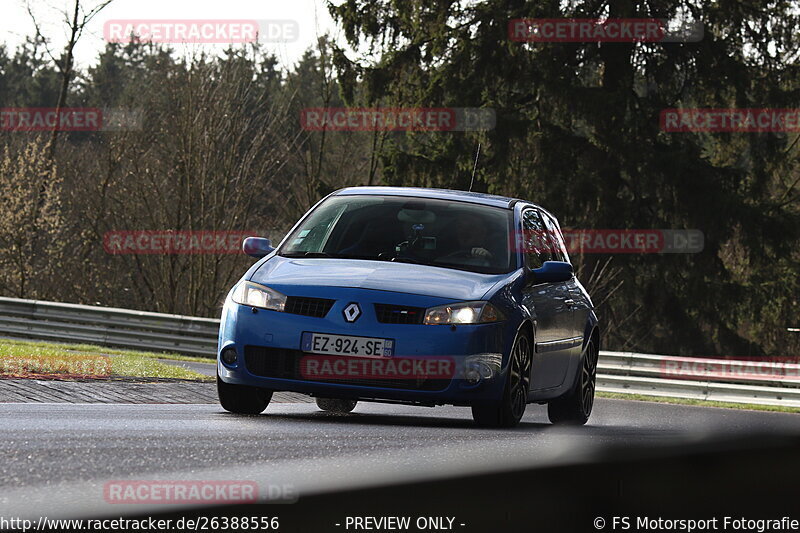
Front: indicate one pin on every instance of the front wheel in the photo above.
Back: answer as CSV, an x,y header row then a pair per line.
x,y
242,399
576,406
333,405
508,412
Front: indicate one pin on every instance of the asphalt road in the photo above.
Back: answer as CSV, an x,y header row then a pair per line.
x,y
57,457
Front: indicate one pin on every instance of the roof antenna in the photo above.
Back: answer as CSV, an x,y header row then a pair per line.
x,y
474,168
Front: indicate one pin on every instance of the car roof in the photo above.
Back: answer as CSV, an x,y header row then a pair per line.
x,y
441,194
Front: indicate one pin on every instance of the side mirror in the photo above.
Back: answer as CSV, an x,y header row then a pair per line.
x,y
257,247
552,272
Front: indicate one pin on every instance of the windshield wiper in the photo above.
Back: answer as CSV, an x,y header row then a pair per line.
x,y
308,254
328,255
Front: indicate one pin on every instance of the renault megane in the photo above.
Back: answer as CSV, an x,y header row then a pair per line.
x,y
418,296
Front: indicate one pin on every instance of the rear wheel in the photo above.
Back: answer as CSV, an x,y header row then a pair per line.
x,y
508,412
576,406
242,399
334,405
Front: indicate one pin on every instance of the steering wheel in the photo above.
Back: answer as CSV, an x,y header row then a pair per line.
x,y
466,255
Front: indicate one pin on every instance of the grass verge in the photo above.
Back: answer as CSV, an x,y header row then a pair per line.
x,y
37,359
701,403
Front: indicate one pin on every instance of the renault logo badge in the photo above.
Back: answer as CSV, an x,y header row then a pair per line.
x,y
352,312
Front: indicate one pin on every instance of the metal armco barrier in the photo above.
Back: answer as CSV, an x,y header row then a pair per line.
x,y
619,372
107,326
723,380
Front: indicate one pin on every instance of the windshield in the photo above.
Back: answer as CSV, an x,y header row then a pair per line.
x,y
412,230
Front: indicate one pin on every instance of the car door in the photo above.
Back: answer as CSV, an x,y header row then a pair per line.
x,y
547,304
577,298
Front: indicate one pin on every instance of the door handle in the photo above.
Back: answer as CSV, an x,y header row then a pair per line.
x,y
569,303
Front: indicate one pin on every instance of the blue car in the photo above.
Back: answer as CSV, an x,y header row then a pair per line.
x,y
415,296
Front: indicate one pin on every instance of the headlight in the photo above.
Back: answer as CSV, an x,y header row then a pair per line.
x,y
463,313
255,295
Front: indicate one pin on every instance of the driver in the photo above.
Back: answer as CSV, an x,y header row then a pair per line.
x,y
472,236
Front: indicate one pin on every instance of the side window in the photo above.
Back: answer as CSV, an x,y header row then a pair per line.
x,y
536,244
559,249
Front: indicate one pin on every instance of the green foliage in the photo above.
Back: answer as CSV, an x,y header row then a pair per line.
x,y
578,132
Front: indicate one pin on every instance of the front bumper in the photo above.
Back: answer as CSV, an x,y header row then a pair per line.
x,y
258,334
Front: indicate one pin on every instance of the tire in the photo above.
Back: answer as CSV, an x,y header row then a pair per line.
x,y
242,399
508,412
575,407
333,405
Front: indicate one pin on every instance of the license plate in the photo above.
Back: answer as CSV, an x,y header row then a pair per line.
x,y
324,343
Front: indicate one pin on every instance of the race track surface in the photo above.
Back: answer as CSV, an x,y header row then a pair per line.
x,y
58,457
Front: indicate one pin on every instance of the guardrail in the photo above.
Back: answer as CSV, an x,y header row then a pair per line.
x,y
618,372
723,380
108,326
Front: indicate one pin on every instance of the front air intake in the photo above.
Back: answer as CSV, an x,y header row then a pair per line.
x,y
399,314
301,305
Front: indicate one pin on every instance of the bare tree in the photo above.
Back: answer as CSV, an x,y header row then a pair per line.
x,y
213,149
76,22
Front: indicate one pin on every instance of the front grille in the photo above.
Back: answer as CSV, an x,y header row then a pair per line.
x,y
399,314
285,364
301,305
272,362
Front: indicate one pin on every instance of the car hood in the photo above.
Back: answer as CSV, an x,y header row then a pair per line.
x,y
283,273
